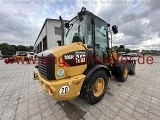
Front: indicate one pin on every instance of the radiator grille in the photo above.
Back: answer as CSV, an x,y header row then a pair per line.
x,y
46,66
42,66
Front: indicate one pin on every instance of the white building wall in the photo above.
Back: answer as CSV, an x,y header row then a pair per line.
x,y
51,36
42,35
48,30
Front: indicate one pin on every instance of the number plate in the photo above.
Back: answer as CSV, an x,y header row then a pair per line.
x,y
63,90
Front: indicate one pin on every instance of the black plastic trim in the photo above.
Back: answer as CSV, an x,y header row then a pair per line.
x,y
50,67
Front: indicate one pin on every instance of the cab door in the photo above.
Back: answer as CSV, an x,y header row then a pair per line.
x,y
101,40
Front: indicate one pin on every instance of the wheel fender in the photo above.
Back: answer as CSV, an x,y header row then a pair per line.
x,y
88,72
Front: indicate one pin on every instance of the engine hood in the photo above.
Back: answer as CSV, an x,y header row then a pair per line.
x,y
63,60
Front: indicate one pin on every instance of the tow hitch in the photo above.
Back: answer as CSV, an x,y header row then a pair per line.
x,y
35,77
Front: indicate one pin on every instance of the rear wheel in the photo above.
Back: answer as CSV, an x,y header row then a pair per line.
x,y
122,73
132,72
96,87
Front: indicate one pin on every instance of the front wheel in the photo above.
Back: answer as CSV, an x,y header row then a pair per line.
x,y
96,86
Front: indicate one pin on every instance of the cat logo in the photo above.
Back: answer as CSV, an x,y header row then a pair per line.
x,y
80,58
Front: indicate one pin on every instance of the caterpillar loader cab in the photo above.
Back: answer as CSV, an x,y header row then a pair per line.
x,y
83,62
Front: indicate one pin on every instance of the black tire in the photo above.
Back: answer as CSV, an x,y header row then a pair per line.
x,y
121,72
89,94
133,71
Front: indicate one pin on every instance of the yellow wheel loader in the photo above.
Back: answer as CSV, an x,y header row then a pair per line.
x,y
83,62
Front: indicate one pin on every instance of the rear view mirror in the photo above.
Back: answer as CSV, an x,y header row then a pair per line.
x,y
67,25
115,29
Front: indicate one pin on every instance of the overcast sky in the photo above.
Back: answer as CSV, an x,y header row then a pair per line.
x,y
138,21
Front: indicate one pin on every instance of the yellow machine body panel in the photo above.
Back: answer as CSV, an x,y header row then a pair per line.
x,y
68,79
63,89
60,64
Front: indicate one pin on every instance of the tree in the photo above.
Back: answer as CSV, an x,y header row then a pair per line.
x,y
122,46
6,49
115,47
22,48
120,50
30,48
15,48
127,50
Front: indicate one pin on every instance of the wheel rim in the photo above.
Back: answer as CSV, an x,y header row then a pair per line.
x,y
98,87
125,73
